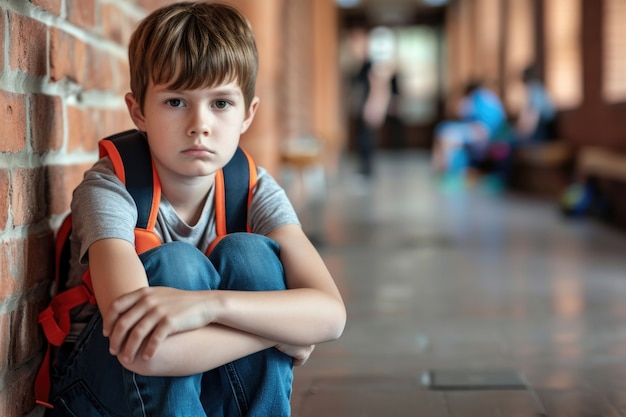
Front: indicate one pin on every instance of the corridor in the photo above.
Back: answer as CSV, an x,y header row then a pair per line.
x,y
466,304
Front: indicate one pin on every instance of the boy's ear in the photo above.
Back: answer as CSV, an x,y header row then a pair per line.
x,y
134,109
254,104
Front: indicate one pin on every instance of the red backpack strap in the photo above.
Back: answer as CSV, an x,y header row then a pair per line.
x,y
234,186
132,163
55,319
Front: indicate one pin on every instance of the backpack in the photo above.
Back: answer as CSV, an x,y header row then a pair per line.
x,y
132,163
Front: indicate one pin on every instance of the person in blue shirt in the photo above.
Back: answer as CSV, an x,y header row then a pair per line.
x,y
481,118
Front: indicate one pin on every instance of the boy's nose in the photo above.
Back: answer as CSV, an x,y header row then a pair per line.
x,y
199,124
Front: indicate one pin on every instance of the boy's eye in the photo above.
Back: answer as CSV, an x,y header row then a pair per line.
x,y
175,102
221,104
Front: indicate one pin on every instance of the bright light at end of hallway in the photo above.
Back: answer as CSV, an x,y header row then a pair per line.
x,y
347,3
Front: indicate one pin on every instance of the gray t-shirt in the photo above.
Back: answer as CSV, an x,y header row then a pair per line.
x,y
102,208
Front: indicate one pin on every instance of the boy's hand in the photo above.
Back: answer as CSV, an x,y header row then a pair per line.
x,y
143,319
300,354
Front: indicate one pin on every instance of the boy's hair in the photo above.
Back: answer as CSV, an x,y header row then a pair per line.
x,y
192,45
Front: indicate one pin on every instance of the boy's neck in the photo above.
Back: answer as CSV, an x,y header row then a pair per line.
x,y
188,198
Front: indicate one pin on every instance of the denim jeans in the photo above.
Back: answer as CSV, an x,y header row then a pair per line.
x,y
88,381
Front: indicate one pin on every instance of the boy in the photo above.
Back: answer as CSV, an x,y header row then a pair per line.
x,y
177,333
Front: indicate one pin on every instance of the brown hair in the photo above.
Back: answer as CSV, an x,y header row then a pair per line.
x,y
192,45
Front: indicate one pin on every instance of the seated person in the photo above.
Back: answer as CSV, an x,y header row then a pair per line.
x,y
198,325
481,117
537,115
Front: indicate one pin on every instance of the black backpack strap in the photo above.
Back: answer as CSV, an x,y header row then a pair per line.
x,y
237,184
131,159
233,192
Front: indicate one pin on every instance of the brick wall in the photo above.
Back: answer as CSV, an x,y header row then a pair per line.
x,y
63,72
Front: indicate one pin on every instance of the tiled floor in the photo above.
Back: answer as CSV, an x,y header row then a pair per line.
x,y
437,280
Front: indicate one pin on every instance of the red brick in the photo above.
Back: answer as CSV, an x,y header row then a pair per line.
x,y
67,57
82,12
53,6
99,72
37,259
26,339
26,263
4,201
150,5
46,115
9,283
113,121
4,342
82,131
123,76
101,120
63,179
116,25
28,202
124,120
27,45
17,399
13,122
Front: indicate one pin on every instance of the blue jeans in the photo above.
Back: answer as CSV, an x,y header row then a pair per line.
x,y
88,381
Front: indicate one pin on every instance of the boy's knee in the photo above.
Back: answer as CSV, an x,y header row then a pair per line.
x,y
248,261
244,245
178,265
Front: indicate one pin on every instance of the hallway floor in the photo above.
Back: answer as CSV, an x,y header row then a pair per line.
x,y
466,304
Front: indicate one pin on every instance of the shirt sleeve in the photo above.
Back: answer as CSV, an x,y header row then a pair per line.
x,y
270,208
101,208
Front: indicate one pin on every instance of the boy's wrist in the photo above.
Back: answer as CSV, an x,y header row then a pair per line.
x,y
215,306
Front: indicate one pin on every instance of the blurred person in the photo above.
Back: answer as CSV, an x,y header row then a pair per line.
x,y
537,115
481,118
373,87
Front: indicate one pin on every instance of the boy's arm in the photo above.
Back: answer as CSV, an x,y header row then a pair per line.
x,y
116,270
309,312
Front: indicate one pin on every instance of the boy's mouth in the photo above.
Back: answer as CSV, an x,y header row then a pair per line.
x,y
198,150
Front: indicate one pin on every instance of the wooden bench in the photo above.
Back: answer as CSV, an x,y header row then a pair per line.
x,y
607,170
601,163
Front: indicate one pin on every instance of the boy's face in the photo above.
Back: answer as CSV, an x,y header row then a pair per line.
x,y
192,133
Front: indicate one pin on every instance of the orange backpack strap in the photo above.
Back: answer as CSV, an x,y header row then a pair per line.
x,y
234,186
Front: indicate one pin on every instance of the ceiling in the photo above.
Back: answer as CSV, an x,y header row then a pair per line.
x,y
389,12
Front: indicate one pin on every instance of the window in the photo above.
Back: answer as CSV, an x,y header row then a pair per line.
x,y
489,36
563,52
519,51
614,77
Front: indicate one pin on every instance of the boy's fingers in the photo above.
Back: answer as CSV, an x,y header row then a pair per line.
x,y
137,336
117,309
156,338
122,329
147,334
